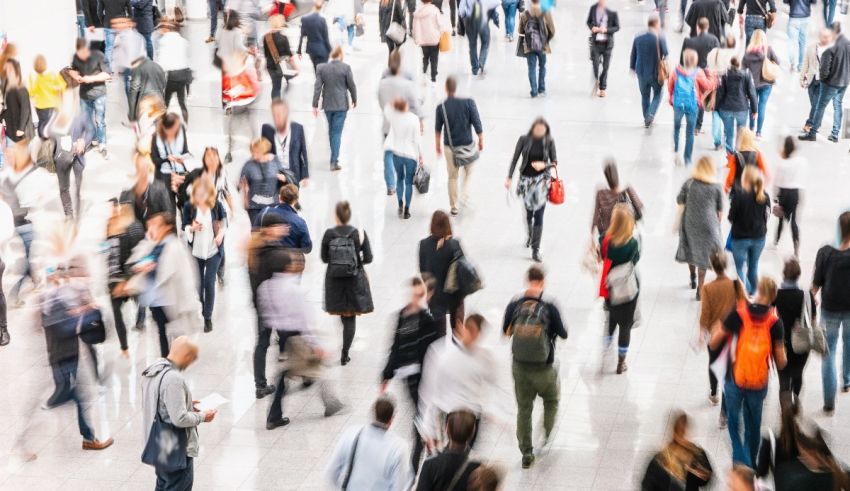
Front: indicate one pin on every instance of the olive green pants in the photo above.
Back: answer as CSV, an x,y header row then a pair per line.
x,y
531,381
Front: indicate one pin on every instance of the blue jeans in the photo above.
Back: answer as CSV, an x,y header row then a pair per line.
x,y
148,44
833,322
829,11
536,72
214,6
751,23
65,377
96,112
208,269
797,27
179,479
649,87
690,115
340,22
749,404
762,94
814,91
404,170
510,7
716,128
836,95
81,26
747,251
732,122
389,170
25,234
109,43
336,121
474,33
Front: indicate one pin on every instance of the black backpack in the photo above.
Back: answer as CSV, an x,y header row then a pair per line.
x,y
836,286
342,257
535,34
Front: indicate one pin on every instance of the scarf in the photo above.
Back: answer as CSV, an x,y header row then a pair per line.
x,y
166,149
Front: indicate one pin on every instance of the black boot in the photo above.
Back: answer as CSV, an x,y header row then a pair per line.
x,y
536,234
4,336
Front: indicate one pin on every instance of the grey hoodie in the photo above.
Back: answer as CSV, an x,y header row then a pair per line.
x,y
175,402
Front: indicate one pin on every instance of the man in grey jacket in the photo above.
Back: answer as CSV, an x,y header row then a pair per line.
x,y
834,77
165,391
334,80
394,85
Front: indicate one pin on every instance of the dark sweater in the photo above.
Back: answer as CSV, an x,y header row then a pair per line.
x,y
555,327
414,333
748,216
462,114
18,113
436,262
439,471
754,7
835,63
713,10
736,92
702,44
113,9
800,9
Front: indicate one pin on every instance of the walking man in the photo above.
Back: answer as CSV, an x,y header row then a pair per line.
x,y
334,81
533,322
648,50
314,27
834,77
603,23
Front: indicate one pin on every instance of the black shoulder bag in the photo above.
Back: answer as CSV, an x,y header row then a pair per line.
x,y
166,447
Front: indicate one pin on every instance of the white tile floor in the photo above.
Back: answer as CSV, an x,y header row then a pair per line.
x,y
608,426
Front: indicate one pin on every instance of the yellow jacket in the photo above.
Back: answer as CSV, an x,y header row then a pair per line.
x,y
46,89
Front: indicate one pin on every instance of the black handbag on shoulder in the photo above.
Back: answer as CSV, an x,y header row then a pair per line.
x,y
91,327
167,444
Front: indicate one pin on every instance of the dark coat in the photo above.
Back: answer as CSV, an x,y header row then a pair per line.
x,y
113,9
298,163
156,199
436,262
714,11
348,296
835,63
644,57
315,28
146,15
145,78
523,146
387,15
736,92
613,23
702,44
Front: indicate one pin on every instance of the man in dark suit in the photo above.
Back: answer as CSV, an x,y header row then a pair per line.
x,y
314,27
288,143
334,81
603,23
646,49
702,43
714,11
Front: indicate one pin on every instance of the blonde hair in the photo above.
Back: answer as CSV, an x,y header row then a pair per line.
x,y
622,226
277,21
690,58
752,175
705,171
142,158
757,41
767,287
39,64
203,184
746,140
261,145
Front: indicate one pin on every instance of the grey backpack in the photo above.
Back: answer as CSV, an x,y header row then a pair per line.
x,y
530,334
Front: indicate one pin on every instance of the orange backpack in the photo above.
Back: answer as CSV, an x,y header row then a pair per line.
x,y
752,353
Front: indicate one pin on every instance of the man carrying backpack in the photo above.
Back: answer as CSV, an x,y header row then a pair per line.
x,y
536,29
533,322
758,335
686,86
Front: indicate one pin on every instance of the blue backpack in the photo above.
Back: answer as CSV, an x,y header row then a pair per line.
x,y
685,91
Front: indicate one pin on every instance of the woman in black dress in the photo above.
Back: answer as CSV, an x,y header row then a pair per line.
x,y
790,307
345,250
436,254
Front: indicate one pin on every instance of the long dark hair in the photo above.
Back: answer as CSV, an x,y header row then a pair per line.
x,y
537,121
212,150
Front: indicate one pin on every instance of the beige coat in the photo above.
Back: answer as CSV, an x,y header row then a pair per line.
x,y
547,21
811,66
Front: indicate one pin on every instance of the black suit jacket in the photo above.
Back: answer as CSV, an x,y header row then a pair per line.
x,y
702,44
613,23
298,163
315,29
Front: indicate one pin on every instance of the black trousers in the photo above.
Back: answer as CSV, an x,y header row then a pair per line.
x,y
349,327
158,314
63,175
264,335
700,116
430,54
411,8
181,88
3,323
789,199
120,325
600,56
318,60
791,377
712,379
412,383
455,313
623,317
44,116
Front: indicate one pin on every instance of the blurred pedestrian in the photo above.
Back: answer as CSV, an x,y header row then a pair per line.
x,y
45,89
450,470
334,82
681,463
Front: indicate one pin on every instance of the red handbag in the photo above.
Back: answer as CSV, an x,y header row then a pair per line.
x,y
556,189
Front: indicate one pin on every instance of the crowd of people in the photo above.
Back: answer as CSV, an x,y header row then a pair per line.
x,y
163,244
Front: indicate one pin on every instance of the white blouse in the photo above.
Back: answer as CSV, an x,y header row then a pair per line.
x,y
404,138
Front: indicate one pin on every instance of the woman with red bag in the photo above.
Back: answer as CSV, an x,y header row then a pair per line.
x,y
537,149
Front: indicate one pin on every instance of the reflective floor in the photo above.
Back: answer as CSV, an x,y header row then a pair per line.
x,y
608,425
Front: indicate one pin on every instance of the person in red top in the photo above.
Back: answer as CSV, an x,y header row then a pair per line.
x,y
745,154
686,86
239,89
759,335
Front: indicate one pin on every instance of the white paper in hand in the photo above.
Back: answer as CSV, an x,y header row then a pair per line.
x,y
210,402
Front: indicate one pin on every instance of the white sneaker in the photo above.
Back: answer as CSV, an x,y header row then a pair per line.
x,y
677,159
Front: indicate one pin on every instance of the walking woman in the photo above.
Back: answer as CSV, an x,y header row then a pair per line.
x,y
757,51
172,54
436,253
389,11
790,305
204,223
745,155
260,179
169,150
618,247
426,33
606,199
681,464
277,51
719,297
405,143
537,151
748,215
346,250
701,202
788,180
18,110
736,101
46,90
123,233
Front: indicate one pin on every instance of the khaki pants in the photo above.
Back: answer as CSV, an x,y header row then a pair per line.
x,y
531,381
454,171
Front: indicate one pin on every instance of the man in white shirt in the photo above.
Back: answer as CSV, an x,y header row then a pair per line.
x,y
810,73
370,457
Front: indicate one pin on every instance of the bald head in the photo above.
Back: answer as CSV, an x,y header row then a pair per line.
x,y
183,352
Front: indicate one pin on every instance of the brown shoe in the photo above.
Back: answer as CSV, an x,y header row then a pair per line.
x,y
97,444
621,365
601,93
